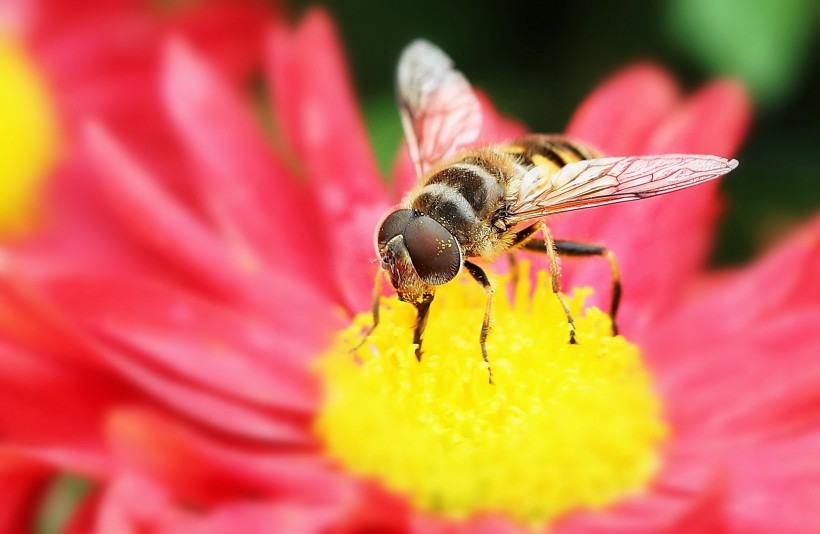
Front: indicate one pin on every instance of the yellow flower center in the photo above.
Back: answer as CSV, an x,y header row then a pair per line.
x,y
28,137
563,427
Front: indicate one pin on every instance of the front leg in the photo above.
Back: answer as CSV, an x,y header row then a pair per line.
x,y
377,290
481,277
520,237
423,311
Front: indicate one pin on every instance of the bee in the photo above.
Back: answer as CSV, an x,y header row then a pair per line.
x,y
479,203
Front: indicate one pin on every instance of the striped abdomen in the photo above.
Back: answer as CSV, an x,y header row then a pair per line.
x,y
551,151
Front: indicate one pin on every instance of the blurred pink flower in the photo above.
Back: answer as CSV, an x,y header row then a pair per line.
x,y
100,58
166,358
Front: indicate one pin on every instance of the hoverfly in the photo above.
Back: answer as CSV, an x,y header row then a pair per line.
x,y
482,202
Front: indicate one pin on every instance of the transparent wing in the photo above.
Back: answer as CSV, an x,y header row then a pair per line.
x,y
439,111
595,182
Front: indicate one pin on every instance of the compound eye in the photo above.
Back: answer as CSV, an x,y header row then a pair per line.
x,y
435,253
393,225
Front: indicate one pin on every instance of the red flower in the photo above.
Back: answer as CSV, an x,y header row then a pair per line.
x,y
65,61
169,359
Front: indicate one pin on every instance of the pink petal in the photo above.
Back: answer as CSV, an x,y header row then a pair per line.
x,y
74,228
147,213
707,513
202,343
201,468
486,524
267,518
737,301
226,414
22,484
214,412
131,504
353,513
315,104
661,243
316,109
186,463
244,186
34,389
617,118
135,504
775,486
229,33
47,367
715,120
687,493
621,114
746,388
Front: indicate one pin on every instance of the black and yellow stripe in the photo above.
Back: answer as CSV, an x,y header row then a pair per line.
x,y
548,151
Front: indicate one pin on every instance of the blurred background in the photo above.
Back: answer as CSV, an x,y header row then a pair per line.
x,y
538,60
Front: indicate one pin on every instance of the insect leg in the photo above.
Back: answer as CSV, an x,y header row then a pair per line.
x,y
377,291
524,235
574,248
548,247
519,238
480,277
423,311
514,267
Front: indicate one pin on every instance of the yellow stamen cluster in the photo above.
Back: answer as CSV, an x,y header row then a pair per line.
x,y
563,427
28,136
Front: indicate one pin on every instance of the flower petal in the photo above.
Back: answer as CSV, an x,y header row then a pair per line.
x,y
131,503
50,326
224,140
148,214
621,114
617,118
267,518
21,484
661,243
714,120
229,33
724,374
314,103
161,327
775,485
688,493
731,303
34,389
173,455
